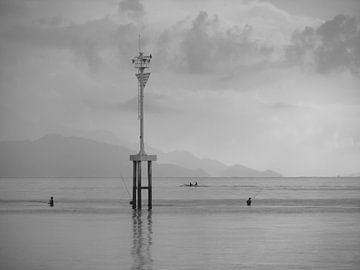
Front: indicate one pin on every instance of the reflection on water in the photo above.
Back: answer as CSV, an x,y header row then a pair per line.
x,y
142,240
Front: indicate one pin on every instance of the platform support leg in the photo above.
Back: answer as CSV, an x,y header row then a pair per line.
x,y
139,185
149,185
134,185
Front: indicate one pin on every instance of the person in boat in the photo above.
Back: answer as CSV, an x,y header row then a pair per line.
x,y
195,184
190,184
51,201
248,202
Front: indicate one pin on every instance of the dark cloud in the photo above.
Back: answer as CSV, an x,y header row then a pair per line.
x,y
87,41
281,106
10,7
206,44
132,8
333,45
209,45
50,21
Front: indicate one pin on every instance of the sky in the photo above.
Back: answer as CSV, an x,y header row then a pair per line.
x,y
270,84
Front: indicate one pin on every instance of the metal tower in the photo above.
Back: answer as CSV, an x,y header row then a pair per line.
x,y
141,62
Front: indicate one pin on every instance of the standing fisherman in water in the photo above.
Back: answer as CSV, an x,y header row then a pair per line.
x,y
51,202
248,202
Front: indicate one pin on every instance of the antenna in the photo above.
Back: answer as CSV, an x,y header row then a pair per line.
x,y
141,62
139,42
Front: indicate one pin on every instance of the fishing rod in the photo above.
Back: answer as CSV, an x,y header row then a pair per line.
x,y
257,193
128,192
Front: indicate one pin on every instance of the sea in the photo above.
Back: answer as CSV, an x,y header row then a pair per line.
x,y
293,223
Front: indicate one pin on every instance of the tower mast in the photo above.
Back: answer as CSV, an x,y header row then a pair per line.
x,y
141,63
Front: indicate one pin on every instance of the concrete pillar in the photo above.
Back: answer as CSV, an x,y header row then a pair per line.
x,y
149,185
139,185
134,185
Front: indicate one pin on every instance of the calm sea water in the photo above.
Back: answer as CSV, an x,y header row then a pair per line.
x,y
294,223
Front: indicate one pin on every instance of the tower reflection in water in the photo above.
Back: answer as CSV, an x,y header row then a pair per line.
x,y
142,240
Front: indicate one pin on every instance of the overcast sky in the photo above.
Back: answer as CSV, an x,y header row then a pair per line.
x,y
268,84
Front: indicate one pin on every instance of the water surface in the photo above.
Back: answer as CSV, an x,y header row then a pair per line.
x,y
294,223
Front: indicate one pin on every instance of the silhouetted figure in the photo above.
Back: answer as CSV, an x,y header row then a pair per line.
x,y
248,202
190,184
51,202
195,184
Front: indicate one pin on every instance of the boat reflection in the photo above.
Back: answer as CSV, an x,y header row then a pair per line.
x,y
142,240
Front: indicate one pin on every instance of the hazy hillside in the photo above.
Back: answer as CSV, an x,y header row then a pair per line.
x,y
213,167
237,170
59,156
188,160
162,170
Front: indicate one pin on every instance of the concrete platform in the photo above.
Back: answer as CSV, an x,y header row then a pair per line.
x,y
139,157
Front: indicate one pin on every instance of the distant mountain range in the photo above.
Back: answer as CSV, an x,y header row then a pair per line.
x,y
58,156
213,167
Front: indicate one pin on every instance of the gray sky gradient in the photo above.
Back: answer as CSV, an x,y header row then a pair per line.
x,y
266,84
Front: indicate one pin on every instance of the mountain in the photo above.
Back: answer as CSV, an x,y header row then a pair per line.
x,y
188,160
59,156
239,170
163,170
213,167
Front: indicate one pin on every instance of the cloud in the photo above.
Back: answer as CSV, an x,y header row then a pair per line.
x,y
207,45
50,21
9,8
280,105
334,45
132,9
154,103
89,41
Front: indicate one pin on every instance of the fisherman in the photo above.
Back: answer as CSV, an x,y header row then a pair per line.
x,y
195,184
51,202
248,202
190,184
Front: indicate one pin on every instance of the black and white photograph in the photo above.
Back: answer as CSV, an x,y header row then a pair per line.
x,y
179,134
